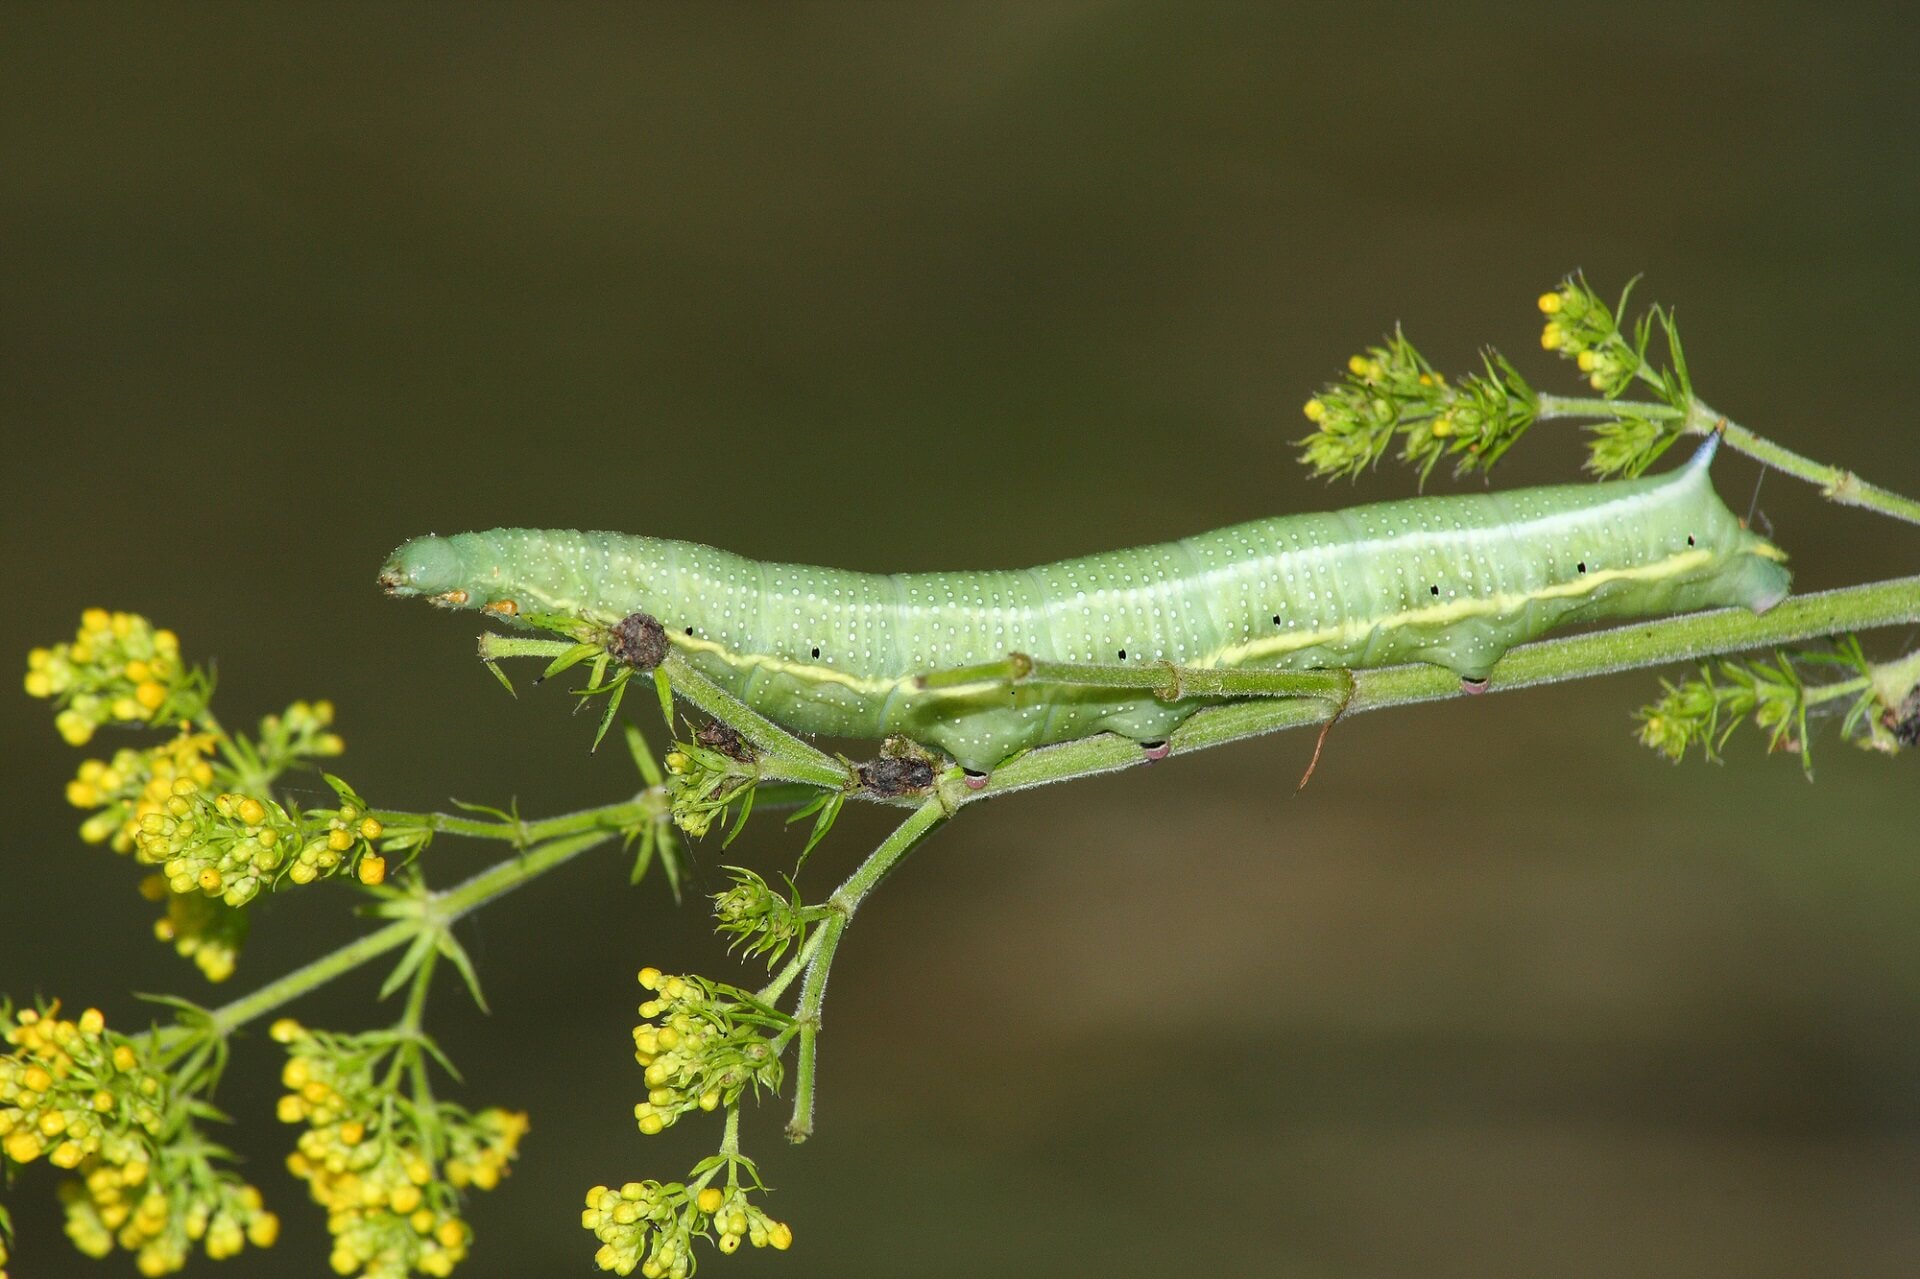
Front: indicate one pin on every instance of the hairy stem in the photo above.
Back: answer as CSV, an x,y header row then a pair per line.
x,y
437,910
1835,483
1643,644
844,901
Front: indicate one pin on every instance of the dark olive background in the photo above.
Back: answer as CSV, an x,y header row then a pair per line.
x,y
913,286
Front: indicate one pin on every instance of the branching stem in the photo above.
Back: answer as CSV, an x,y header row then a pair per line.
x,y
844,901
1835,483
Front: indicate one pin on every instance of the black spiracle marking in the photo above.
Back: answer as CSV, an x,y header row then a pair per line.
x,y
638,640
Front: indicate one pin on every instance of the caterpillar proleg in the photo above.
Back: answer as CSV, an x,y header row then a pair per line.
x,y
1452,580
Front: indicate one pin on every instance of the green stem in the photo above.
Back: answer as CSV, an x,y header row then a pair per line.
x,y
1553,406
1797,619
609,817
845,900
1835,483
439,910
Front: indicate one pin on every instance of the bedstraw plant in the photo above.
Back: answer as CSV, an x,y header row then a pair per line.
x,y
202,811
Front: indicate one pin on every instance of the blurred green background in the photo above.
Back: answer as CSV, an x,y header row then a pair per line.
x,y
905,286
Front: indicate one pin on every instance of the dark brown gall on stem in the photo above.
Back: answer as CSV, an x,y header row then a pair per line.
x,y
639,640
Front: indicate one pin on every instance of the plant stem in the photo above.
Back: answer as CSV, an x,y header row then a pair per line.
x,y
1553,406
1678,639
608,817
844,901
438,910
1835,483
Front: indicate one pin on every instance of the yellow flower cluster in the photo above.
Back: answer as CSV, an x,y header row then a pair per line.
x,y
481,1154
137,784
88,1101
117,669
160,1224
650,1226
303,731
695,1054
203,929
67,1087
388,1209
347,842
1581,328
225,845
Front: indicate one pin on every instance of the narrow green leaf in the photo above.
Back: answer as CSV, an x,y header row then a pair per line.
x,y
572,657
740,822
643,757
454,951
494,669
823,823
409,964
613,708
664,687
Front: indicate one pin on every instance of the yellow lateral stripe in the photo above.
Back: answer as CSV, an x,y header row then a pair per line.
x,y
1235,654
799,670
1441,614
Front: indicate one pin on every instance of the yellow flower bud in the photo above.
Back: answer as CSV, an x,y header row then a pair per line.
x,y
780,1236
1551,337
1586,361
1357,365
95,619
250,811
39,684
150,694
710,1199
74,728
1549,303
339,840
370,829
372,869
1315,410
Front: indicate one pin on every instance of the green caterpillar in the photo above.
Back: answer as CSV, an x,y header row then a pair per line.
x,y
1454,581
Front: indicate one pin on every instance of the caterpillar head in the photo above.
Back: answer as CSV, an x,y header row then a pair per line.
x,y
425,566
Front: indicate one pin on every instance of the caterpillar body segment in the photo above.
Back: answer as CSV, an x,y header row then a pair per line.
x,y
1453,580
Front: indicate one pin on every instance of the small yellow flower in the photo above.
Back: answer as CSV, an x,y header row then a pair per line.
x,y
372,869
1550,303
